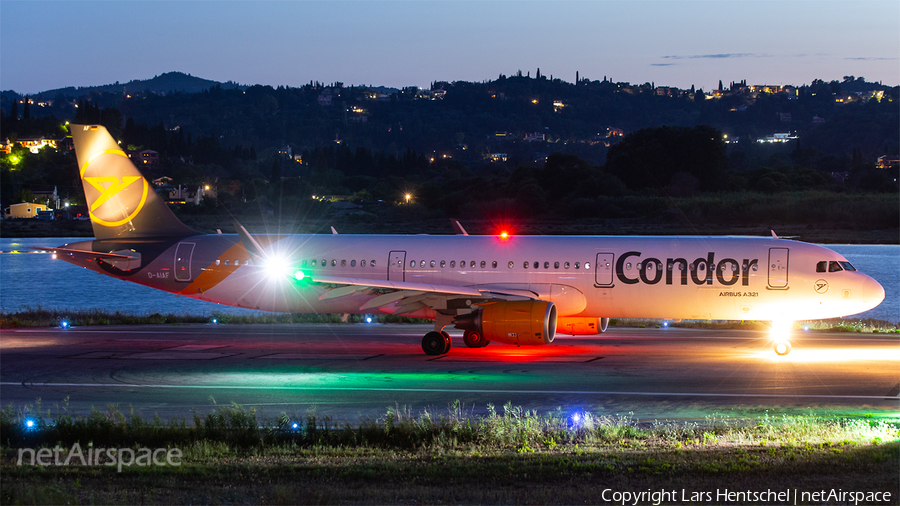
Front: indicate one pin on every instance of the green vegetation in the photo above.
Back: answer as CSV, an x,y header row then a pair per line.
x,y
509,454
499,150
55,317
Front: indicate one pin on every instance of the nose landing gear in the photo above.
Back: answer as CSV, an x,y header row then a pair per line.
x,y
782,347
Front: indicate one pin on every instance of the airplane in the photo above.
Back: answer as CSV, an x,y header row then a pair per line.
x,y
515,290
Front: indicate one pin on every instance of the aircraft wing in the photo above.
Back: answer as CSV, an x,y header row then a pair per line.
x,y
406,295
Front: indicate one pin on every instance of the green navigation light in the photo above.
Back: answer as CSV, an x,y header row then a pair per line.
x,y
299,275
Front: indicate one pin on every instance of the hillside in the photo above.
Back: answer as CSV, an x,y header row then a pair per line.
x,y
161,85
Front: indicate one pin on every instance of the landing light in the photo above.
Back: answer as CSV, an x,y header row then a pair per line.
x,y
29,423
64,324
295,425
276,267
368,319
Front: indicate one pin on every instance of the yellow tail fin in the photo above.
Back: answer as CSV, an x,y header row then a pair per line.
x,y
121,202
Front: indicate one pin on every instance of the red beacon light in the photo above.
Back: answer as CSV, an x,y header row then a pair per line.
x,y
504,236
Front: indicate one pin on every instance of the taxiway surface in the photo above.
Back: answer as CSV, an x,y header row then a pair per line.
x,y
350,372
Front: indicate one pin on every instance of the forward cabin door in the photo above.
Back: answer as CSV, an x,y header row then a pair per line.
x,y
183,254
397,266
778,268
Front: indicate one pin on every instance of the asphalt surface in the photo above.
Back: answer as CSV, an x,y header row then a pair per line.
x,y
353,372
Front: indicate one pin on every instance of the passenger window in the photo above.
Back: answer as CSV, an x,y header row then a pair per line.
x,y
353,263
303,263
525,264
462,264
362,263
494,264
412,263
472,264
556,265
333,262
537,265
237,262
422,264
546,265
218,261
577,265
432,263
820,267
324,262
443,264
483,264
587,265
566,265
452,263
628,266
343,263
372,263
510,264
834,266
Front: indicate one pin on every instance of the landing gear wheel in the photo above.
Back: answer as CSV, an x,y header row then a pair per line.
x,y
474,339
436,343
783,348
448,343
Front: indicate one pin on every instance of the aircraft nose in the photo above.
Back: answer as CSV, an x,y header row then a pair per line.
x,y
872,292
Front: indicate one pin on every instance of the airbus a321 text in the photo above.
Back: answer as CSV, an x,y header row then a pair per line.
x,y
518,290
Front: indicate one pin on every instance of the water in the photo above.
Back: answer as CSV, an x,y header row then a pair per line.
x,y
31,280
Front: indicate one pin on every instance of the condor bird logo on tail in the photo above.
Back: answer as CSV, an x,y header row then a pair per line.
x,y
120,200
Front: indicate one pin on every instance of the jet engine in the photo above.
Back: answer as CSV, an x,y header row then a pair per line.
x,y
580,326
529,322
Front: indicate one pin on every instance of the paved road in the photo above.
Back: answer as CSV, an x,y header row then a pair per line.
x,y
354,371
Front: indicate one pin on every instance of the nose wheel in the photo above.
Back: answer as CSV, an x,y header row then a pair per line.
x,y
782,348
436,343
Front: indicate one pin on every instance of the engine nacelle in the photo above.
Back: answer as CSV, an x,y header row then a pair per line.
x,y
581,326
530,322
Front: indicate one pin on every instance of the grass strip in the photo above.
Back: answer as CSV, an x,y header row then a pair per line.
x,y
511,454
39,317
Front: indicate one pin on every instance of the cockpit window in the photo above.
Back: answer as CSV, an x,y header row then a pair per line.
x,y
848,266
834,266
822,267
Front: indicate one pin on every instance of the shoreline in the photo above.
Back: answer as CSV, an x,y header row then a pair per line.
x,y
32,229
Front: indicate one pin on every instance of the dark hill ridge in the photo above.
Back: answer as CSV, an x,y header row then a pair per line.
x,y
161,84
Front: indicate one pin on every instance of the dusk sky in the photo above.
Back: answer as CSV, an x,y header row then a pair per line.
x,y
47,45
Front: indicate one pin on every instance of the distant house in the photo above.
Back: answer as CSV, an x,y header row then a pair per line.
x,y
45,194
146,158
324,98
888,162
34,144
162,181
24,210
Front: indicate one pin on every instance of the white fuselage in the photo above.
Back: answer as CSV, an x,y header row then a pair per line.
x,y
726,278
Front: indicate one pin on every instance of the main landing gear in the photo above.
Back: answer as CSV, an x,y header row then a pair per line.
x,y
436,343
474,339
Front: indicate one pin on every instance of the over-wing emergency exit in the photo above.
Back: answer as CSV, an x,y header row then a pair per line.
x,y
518,290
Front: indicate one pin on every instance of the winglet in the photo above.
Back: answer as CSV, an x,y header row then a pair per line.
x,y
458,228
333,231
774,236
